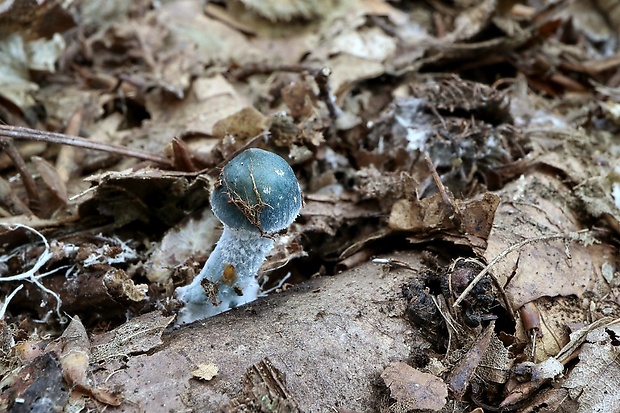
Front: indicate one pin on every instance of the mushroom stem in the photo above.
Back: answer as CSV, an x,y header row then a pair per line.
x,y
230,275
256,196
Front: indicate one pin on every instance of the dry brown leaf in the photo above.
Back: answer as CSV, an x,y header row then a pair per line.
x,y
459,378
589,20
553,336
11,201
431,215
299,98
201,39
243,125
601,198
123,196
536,206
73,349
549,400
424,215
103,11
33,18
374,184
383,8
62,102
611,10
51,178
413,389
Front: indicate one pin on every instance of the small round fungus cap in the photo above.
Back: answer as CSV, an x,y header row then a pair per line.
x,y
257,190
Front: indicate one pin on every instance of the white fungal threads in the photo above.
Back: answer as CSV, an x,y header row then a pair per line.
x,y
250,217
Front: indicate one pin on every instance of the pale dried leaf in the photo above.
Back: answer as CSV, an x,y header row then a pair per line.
x,y
287,10
496,363
473,20
192,237
347,69
205,372
15,81
210,99
596,378
200,39
103,11
587,18
372,44
73,349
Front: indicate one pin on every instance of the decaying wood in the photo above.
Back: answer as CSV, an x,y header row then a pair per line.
x,y
331,338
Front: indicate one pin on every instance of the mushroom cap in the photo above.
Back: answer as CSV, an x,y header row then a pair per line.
x,y
257,191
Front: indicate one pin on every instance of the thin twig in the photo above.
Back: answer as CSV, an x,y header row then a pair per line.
x,y
570,235
29,185
454,213
498,285
321,77
18,132
451,324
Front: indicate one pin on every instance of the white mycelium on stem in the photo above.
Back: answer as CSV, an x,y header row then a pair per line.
x,y
257,196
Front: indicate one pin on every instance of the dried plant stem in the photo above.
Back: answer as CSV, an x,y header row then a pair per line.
x,y
29,185
451,324
454,213
18,132
498,285
321,77
569,235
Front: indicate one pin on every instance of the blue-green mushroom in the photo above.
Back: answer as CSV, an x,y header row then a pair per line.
x,y
256,197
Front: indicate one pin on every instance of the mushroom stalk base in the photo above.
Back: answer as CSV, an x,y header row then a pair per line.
x,y
228,276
